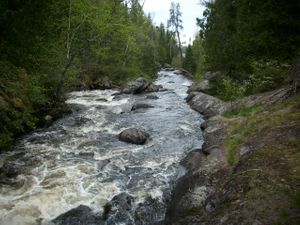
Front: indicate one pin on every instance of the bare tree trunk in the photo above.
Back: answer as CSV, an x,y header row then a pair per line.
x,y
179,44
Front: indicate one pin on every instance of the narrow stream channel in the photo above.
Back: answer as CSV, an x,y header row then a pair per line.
x,y
80,161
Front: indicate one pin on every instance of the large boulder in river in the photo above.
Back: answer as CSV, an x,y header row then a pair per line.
x,y
140,85
134,136
140,105
153,88
206,104
136,87
82,215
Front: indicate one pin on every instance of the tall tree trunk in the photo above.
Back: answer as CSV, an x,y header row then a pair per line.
x,y
179,44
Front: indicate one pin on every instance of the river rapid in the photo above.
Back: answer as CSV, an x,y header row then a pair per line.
x,y
79,160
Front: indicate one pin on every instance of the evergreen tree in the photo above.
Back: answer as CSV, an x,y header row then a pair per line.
x,y
189,62
175,23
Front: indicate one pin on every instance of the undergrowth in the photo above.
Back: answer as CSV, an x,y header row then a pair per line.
x,y
245,122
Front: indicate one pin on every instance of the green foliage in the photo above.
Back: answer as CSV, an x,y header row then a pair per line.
x,y
49,47
199,57
243,112
230,90
235,32
189,62
233,144
266,76
226,88
252,43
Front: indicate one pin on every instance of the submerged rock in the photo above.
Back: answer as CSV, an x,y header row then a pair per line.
x,y
134,136
140,105
82,215
152,97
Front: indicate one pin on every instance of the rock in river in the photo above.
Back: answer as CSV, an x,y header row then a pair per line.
x,y
136,87
134,136
82,215
140,85
140,105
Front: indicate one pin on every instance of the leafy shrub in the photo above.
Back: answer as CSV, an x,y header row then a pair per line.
x,y
266,76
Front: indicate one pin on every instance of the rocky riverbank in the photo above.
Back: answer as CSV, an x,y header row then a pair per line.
x,y
246,171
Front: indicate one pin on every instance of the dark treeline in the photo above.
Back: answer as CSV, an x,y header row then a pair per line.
x,y
49,47
253,43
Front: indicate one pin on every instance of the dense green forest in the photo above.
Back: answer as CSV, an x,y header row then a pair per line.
x,y
50,47
254,44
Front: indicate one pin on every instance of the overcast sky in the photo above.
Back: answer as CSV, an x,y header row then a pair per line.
x,y
191,9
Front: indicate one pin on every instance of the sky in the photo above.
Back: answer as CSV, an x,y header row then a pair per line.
x,y
191,9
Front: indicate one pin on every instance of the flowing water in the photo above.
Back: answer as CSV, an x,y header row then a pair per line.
x,y
80,161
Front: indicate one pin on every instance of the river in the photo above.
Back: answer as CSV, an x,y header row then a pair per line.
x,y
79,160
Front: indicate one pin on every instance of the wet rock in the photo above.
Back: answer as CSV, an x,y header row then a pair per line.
x,y
82,215
152,97
134,136
186,73
86,154
153,88
101,100
190,97
88,144
140,105
163,89
208,105
150,210
136,87
79,121
9,170
119,209
123,201
117,97
193,159
168,67
188,194
48,120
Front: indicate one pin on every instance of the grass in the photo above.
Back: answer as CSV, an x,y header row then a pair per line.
x,y
243,112
246,122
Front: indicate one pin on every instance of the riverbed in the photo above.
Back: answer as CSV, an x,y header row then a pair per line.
x,y
79,159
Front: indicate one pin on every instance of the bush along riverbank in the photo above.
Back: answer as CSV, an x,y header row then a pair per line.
x,y
247,171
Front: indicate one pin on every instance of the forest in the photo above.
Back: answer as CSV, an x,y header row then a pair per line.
x,y
254,44
50,47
